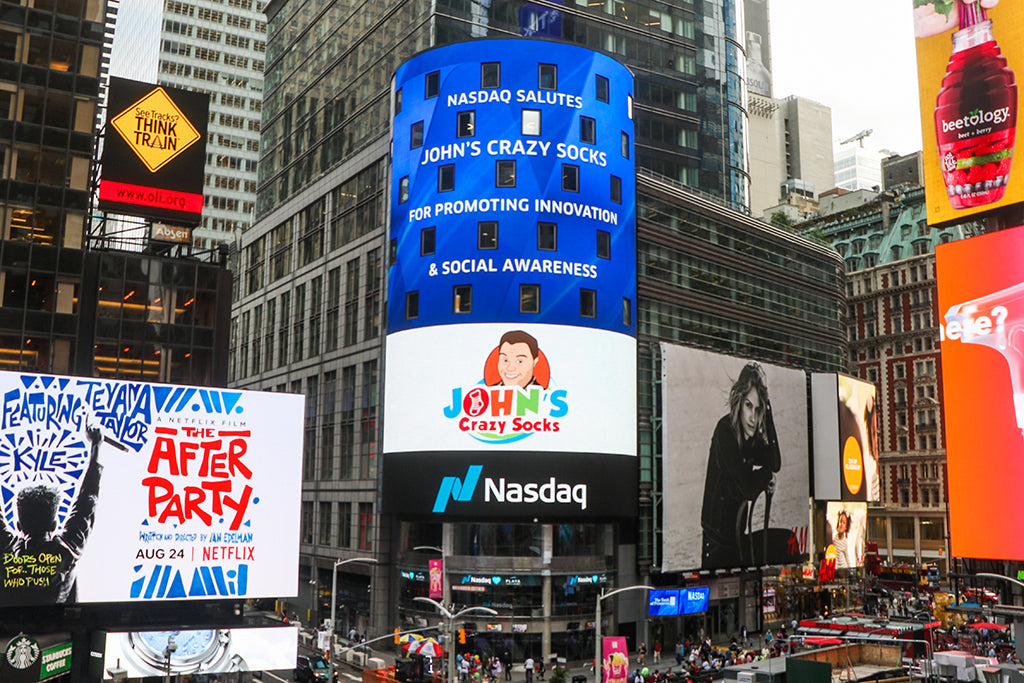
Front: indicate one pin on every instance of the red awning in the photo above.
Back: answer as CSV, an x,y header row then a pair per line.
x,y
982,625
820,640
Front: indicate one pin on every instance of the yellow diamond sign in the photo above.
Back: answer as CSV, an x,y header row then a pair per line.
x,y
155,129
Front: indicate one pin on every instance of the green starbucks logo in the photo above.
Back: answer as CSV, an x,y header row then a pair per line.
x,y
22,652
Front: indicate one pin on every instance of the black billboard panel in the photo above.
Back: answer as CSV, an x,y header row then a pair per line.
x,y
154,152
511,485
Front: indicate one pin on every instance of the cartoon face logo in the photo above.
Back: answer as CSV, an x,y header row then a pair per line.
x,y
517,361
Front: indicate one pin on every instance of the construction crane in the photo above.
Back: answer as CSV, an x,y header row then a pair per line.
x,y
859,137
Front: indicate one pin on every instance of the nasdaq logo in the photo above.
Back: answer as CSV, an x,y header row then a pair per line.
x,y
453,488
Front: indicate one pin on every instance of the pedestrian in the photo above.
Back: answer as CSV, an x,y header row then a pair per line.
x,y
540,669
746,637
680,650
657,651
528,665
496,668
506,660
641,653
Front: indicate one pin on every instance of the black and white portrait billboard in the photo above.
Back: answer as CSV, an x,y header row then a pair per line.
x,y
734,462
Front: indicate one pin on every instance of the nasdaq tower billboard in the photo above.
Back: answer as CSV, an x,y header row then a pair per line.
x,y
510,382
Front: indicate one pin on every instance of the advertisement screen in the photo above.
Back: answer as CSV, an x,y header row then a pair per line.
x,y
967,58
846,533
663,603
154,152
615,653
207,651
694,600
845,435
735,458
119,491
981,308
513,227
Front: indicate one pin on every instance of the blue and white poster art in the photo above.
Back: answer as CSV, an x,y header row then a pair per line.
x,y
117,491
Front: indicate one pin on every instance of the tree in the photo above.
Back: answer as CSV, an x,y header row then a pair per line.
x,y
780,219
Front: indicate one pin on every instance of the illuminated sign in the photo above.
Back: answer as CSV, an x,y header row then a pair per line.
x,y
34,658
981,309
119,491
205,651
966,59
677,601
155,129
154,152
169,233
735,443
513,228
845,420
846,533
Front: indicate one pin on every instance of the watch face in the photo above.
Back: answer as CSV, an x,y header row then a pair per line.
x,y
191,644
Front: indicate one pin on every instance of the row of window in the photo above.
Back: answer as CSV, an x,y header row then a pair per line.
x,y
490,78
487,238
529,302
345,524
505,177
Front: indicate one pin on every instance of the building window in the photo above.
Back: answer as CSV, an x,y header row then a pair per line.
x,y
490,75
462,298
432,84
625,145
627,312
427,241
602,89
530,122
446,178
588,130
604,244
366,526
487,235
403,190
547,77
398,101
412,305
547,236
505,173
529,298
588,303
466,124
616,189
416,135
570,178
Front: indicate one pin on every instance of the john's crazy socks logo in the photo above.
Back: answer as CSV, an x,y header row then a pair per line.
x,y
514,399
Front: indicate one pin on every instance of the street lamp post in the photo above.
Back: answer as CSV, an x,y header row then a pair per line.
x,y
447,614
598,661
334,593
171,648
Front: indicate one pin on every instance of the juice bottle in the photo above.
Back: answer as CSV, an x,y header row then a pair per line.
x,y
976,114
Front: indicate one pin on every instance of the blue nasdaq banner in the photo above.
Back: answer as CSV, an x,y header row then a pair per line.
x,y
514,271
694,600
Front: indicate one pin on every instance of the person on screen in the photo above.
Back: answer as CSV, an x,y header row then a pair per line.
x,y
841,540
38,545
743,461
518,354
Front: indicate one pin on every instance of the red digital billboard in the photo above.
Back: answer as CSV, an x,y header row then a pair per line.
x,y
981,310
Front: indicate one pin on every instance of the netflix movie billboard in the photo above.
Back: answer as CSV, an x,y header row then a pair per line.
x,y
735,459
981,310
116,491
967,56
154,152
845,434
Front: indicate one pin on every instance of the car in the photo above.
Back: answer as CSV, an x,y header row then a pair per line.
x,y
312,669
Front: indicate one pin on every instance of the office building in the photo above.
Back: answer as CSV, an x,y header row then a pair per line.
x,y
892,321
858,168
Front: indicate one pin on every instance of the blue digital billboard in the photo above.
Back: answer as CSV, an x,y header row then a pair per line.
x,y
513,269
672,602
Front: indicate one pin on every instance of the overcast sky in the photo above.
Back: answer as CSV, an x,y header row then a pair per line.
x,y
856,57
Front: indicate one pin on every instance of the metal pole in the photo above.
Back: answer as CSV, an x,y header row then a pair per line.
x,y
334,595
598,654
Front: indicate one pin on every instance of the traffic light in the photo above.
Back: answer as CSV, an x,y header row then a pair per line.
x,y
396,636
462,636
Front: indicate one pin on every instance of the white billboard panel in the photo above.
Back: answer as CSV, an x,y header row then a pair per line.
x,y
119,491
484,387
734,462
204,651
